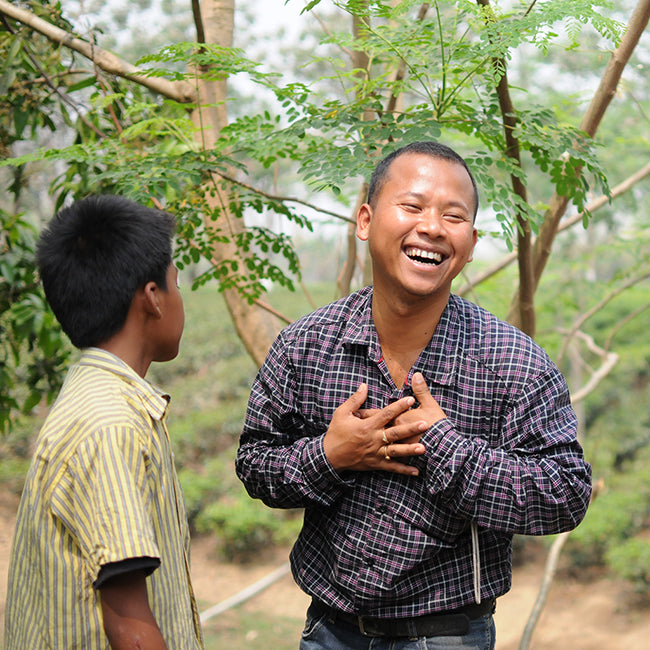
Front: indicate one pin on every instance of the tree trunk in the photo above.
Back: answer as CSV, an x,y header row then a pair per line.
x,y
255,328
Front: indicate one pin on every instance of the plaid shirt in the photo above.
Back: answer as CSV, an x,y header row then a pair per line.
x,y
505,460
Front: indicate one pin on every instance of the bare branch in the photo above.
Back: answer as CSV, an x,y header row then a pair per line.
x,y
596,308
524,235
619,326
530,8
103,59
550,569
272,310
344,280
198,21
608,361
328,31
542,595
280,199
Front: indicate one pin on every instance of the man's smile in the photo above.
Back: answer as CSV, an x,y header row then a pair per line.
x,y
423,256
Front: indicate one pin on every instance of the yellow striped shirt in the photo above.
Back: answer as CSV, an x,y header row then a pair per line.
x,y
101,488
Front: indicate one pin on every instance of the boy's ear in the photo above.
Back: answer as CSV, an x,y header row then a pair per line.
x,y
150,296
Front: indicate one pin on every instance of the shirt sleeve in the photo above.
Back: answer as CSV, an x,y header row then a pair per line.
x,y
535,481
281,459
105,503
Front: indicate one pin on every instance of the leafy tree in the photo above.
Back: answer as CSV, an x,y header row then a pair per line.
x,y
501,81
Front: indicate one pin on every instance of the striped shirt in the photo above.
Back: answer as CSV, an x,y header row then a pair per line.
x,y
505,460
101,488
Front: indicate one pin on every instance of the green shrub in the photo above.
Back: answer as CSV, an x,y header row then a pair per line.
x,y
612,518
208,483
631,561
245,526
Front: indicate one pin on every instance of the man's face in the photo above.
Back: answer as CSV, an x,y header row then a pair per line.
x,y
420,231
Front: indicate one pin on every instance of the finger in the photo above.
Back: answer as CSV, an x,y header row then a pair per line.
x,y
401,450
421,390
403,431
390,412
366,413
399,468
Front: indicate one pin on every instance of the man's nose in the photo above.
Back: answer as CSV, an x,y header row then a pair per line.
x,y
430,223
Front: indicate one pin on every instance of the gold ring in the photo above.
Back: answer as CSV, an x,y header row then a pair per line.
x,y
386,456
384,439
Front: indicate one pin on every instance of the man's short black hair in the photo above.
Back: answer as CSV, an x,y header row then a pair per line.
x,y
94,255
428,148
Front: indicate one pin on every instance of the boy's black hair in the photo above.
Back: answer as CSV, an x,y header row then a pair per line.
x,y
94,255
428,148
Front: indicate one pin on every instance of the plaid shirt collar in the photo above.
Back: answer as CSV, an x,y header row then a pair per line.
x,y
438,361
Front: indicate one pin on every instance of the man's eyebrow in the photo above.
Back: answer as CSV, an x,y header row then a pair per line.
x,y
408,194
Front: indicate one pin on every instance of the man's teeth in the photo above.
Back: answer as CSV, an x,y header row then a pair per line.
x,y
425,256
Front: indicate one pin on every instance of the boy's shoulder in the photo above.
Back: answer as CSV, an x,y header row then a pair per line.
x,y
100,393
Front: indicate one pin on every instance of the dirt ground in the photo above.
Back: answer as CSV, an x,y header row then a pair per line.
x,y
600,614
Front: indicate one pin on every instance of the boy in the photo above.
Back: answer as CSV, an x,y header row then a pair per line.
x,y
101,549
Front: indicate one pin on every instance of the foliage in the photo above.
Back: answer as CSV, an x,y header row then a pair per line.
x,y
321,128
218,505
124,141
631,560
33,350
245,527
612,518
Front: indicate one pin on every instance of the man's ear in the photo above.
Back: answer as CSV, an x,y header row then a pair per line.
x,y
364,217
150,297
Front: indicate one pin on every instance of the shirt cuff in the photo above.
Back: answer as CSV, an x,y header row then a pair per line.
x,y
113,569
319,471
443,456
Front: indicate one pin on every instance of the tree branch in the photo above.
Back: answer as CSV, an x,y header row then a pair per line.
x,y
596,308
620,325
180,91
608,361
592,207
47,79
282,199
550,569
524,236
590,123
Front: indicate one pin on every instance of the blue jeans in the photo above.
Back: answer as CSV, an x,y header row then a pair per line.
x,y
321,634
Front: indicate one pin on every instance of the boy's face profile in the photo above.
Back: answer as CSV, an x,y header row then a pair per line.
x,y
169,328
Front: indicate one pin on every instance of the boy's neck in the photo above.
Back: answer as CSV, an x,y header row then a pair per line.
x,y
131,355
